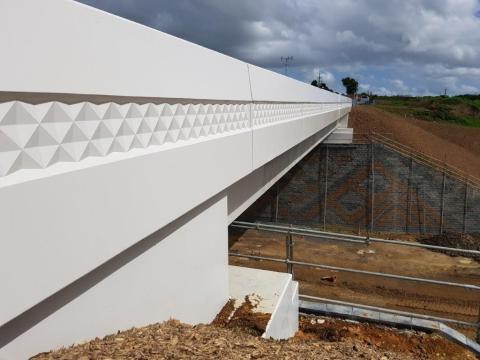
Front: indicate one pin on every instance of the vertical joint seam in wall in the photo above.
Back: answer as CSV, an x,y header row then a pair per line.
x,y
251,113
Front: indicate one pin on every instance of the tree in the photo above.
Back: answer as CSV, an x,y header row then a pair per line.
x,y
324,87
351,85
321,86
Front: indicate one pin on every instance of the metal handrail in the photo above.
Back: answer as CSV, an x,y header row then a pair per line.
x,y
283,229
418,156
428,158
288,260
422,158
356,271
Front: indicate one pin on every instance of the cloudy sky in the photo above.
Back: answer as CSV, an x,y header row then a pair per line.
x,y
416,47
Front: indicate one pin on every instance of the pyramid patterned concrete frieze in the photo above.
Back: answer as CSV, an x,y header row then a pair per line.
x,y
38,136
267,113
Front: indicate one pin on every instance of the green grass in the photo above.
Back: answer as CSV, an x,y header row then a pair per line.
x,y
463,110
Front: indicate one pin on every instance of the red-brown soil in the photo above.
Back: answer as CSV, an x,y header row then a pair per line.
x,y
419,345
456,303
454,240
244,317
456,145
317,339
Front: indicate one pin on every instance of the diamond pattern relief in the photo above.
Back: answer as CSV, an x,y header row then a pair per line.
x,y
265,114
37,136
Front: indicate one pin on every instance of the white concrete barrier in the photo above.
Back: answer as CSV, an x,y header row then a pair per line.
x,y
271,293
109,135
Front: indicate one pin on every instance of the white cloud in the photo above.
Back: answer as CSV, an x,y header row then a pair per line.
x,y
400,86
325,76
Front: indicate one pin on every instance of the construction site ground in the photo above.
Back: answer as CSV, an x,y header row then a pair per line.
x,y
318,338
458,146
449,302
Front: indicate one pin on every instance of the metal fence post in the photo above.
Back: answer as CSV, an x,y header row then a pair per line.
x,y
464,229
410,173
442,203
325,194
477,339
423,208
276,202
372,184
289,251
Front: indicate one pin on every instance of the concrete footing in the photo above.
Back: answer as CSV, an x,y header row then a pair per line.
x,y
274,293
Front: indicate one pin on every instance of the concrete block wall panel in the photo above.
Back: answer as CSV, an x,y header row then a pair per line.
x,y
301,192
160,277
472,223
427,187
347,185
305,199
453,205
391,188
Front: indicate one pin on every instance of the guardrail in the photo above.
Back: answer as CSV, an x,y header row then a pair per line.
x,y
290,231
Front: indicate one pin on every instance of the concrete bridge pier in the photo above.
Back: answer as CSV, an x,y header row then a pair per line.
x,y
118,181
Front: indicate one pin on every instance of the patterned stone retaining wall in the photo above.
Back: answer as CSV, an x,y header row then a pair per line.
x,y
407,195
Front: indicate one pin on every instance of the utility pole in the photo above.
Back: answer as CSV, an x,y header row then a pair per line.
x,y
286,60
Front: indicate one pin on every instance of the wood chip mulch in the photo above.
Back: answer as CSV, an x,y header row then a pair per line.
x,y
174,340
236,334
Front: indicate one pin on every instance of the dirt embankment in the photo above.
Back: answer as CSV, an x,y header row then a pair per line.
x,y
317,339
456,145
454,240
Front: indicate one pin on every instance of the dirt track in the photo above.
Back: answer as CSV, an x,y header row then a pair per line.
x,y
458,146
403,295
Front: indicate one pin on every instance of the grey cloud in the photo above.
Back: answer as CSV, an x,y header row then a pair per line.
x,y
338,36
